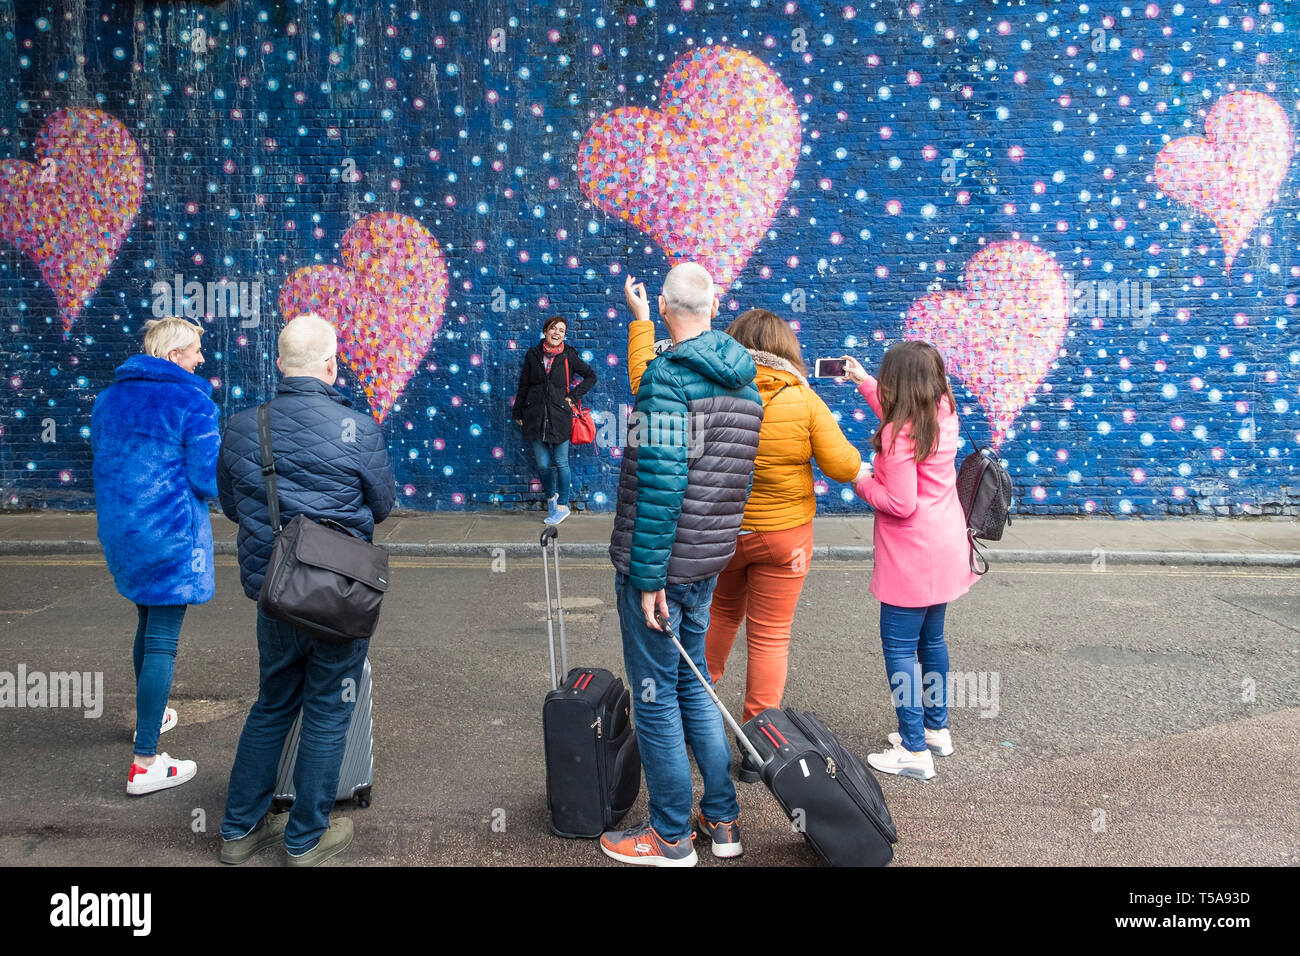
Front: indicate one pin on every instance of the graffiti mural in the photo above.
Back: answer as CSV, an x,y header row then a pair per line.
x,y
1092,212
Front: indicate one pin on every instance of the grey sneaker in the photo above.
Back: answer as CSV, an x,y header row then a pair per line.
x,y
270,831
333,842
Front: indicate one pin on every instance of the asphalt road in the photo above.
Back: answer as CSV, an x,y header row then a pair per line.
x,y
1143,715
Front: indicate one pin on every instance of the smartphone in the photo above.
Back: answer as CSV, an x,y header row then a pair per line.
x,y
829,368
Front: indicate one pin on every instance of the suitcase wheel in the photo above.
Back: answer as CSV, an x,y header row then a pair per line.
x,y
363,797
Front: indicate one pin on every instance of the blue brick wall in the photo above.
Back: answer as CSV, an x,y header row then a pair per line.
x,y
927,135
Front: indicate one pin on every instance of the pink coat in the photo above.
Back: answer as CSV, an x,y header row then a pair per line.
x,y
922,556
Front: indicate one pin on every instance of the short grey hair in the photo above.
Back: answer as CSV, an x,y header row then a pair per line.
x,y
306,344
688,289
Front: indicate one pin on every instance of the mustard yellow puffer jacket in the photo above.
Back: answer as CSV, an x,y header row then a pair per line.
x,y
797,428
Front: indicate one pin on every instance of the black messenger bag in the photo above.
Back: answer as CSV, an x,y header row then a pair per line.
x,y
321,579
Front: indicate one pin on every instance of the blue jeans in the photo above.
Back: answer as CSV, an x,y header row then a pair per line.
x,y
296,672
553,461
916,663
672,709
156,636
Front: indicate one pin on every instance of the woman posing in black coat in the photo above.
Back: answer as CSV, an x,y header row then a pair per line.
x,y
544,409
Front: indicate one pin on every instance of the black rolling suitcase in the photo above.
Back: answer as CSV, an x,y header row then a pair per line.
x,y
593,763
824,789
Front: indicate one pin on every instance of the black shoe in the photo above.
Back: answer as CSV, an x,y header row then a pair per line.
x,y
749,771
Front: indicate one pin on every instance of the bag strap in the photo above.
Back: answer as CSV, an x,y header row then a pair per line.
x,y
270,480
976,553
567,377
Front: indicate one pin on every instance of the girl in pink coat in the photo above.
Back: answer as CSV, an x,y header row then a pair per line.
x,y
921,549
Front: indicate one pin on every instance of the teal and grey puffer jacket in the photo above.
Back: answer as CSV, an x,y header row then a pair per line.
x,y
688,464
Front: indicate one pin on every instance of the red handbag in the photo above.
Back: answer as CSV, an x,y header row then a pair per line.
x,y
584,426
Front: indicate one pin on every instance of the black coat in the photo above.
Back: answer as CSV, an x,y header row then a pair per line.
x,y
540,398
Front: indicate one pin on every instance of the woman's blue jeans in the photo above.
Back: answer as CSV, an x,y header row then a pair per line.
x,y
156,636
916,663
553,461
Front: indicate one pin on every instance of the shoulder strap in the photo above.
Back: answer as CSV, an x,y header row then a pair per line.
x,y
270,480
567,377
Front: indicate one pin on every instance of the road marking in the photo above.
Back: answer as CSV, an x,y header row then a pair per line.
x,y
228,561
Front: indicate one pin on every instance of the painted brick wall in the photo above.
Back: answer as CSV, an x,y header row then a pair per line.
x,y
965,172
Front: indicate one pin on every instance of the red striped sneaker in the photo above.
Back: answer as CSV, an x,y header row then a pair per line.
x,y
164,772
643,846
169,721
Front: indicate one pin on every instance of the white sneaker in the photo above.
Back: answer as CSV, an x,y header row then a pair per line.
x,y
938,742
559,514
551,504
899,760
162,773
169,721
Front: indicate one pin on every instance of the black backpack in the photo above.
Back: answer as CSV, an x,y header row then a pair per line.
x,y
984,490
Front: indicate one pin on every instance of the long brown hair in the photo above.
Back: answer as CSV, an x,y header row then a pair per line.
x,y
911,384
764,331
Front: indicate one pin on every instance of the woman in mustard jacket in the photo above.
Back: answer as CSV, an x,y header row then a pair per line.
x,y
761,585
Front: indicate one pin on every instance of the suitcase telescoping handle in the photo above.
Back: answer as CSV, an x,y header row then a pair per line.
x,y
550,534
726,715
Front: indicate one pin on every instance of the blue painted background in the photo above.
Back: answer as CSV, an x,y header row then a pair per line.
x,y
254,197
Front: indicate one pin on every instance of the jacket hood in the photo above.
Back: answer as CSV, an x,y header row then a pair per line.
x,y
310,385
716,356
768,362
146,368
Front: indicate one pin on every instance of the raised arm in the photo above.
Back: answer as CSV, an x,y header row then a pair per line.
x,y
834,453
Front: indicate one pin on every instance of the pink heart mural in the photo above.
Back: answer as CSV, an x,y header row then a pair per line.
x,y
1232,174
70,211
1002,334
386,301
705,174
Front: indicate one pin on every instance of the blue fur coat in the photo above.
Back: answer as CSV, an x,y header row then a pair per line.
x,y
155,440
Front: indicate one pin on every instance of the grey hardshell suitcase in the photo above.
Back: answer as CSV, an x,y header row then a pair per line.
x,y
357,774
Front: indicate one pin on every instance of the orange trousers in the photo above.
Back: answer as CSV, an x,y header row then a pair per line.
x,y
760,587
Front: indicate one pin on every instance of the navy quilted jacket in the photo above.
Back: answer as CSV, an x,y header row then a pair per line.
x,y
154,436
332,461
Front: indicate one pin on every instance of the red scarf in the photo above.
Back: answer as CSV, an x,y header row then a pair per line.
x,y
549,354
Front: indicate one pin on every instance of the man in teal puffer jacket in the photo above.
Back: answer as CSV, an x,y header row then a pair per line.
x,y
681,496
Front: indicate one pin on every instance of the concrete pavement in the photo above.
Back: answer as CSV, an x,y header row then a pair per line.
x,y
1127,714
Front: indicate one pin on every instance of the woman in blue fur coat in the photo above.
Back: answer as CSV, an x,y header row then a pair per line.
x,y
155,440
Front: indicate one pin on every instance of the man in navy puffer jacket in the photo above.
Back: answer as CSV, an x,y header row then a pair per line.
x,y
332,462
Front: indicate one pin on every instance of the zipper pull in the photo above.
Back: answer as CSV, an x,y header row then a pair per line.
x,y
596,726
830,767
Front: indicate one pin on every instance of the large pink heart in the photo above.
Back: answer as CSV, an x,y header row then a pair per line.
x,y
387,301
705,174
1002,334
1232,174
70,211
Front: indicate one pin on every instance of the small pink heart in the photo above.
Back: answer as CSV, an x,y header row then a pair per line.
x,y
70,211
1002,334
1232,174
705,174
387,301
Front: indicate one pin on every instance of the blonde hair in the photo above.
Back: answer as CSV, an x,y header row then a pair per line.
x,y
161,336
306,344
